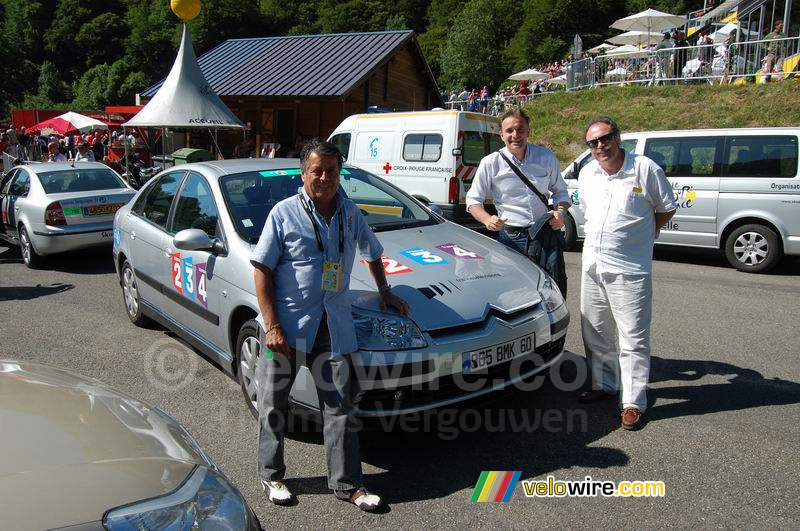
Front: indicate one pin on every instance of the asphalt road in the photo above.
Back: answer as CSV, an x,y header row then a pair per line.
x,y
722,433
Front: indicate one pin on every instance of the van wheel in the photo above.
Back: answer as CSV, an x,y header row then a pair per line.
x,y
753,249
570,233
247,350
32,259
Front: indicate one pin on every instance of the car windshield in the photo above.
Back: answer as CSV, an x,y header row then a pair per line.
x,y
250,196
80,180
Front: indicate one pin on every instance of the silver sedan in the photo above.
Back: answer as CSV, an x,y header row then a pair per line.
x,y
54,207
483,317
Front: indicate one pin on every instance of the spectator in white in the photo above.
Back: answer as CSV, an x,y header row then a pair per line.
x,y
84,153
664,52
463,96
519,207
55,154
626,199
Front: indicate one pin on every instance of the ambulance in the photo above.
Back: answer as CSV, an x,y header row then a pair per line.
x,y
431,155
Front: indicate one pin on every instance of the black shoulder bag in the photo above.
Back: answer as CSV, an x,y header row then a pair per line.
x,y
546,248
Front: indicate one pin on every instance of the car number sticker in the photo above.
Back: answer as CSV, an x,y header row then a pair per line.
x,y
459,252
422,256
190,279
487,357
391,266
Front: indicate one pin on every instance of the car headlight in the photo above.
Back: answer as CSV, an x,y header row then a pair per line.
x,y
206,500
380,331
551,295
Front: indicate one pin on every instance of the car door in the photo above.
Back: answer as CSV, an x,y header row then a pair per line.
x,y
13,200
147,228
692,166
193,290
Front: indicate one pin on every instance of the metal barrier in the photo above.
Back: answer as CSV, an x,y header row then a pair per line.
x,y
752,61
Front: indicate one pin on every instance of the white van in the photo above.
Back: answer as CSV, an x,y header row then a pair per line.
x,y
737,190
432,155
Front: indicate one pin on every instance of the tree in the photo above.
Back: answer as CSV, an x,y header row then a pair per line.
x,y
441,14
52,88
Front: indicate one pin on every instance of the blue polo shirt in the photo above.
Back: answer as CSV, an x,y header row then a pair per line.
x,y
288,246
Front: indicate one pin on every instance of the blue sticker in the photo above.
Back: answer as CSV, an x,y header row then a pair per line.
x,y
188,278
117,237
422,256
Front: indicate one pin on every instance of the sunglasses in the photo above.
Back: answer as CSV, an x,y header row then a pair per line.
x,y
605,139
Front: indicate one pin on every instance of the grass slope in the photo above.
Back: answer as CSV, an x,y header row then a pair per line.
x,y
558,120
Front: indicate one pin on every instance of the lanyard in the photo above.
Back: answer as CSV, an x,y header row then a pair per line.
x,y
316,228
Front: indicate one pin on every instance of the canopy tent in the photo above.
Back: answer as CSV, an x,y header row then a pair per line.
x,y
649,20
68,123
531,74
627,52
636,37
185,100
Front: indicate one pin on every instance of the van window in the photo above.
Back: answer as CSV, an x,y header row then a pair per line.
x,y
686,157
474,148
761,156
342,143
495,143
422,148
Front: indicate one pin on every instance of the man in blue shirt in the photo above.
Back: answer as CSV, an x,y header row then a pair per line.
x,y
302,266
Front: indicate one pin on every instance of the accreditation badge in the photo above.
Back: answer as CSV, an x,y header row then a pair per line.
x,y
331,276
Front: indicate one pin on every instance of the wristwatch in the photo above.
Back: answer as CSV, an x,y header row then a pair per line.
x,y
386,288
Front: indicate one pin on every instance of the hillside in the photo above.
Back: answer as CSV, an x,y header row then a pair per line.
x,y
558,120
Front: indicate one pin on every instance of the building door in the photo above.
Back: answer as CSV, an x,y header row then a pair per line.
x,y
285,130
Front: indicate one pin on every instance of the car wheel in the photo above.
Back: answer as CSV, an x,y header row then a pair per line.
x,y
247,349
29,255
570,233
130,294
753,249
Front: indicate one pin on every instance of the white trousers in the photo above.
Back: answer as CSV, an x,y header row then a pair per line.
x,y
620,304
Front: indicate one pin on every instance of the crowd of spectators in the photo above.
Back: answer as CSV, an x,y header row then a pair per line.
x,y
24,145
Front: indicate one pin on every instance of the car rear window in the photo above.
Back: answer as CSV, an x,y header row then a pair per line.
x,y
80,180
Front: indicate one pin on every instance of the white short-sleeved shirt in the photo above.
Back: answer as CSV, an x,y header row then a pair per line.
x,y
513,199
288,246
620,211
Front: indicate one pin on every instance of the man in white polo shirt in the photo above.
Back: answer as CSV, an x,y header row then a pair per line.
x,y
626,198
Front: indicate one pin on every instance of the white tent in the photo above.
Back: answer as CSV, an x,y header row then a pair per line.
x,y
628,51
636,37
186,100
531,74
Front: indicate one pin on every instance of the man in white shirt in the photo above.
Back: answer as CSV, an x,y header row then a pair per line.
x,y
84,153
518,207
626,198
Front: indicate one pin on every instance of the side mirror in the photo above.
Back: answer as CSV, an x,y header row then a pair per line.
x,y
194,240
436,209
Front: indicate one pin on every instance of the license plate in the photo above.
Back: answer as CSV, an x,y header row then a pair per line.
x,y
487,357
102,210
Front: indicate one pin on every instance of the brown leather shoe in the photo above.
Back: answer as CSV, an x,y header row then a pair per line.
x,y
594,395
632,418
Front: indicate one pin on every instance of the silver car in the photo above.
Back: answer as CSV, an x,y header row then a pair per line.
x,y
54,207
483,317
78,454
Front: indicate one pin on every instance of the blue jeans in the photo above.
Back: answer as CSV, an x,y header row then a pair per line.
x,y
514,238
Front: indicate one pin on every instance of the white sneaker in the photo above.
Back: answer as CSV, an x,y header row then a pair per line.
x,y
361,498
277,492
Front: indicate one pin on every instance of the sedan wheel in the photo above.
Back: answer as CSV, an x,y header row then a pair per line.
x,y
130,294
29,255
247,349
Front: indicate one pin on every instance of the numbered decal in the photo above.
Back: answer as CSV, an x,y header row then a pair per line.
x,y
459,252
202,295
188,278
422,256
177,272
391,266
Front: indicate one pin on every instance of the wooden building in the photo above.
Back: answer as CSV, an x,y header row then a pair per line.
x,y
284,87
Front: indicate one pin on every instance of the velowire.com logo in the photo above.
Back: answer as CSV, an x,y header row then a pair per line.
x,y
495,486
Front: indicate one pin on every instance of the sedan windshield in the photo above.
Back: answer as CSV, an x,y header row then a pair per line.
x,y
80,180
250,196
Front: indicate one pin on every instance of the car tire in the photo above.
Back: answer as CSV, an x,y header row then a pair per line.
x,y
30,257
753,248
130,296
570,233
247,350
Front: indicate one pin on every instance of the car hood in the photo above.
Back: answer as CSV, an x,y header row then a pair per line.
x,y
73,448
462,278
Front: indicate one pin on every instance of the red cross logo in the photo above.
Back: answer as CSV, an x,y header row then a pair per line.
x,y
387,168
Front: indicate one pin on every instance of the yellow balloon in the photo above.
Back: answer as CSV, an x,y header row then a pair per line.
x,y
185,9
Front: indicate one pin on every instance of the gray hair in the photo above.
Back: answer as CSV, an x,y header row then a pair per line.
x,y
322,148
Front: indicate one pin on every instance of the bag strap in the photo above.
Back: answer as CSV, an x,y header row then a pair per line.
x,y
525,180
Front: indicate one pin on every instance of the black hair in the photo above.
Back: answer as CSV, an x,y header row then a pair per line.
x,y
322,148
603,120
